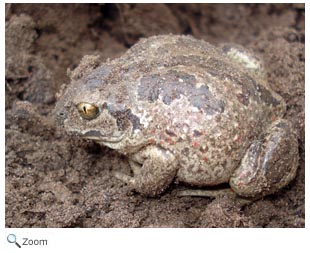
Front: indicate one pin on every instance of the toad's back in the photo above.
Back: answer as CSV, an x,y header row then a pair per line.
x,y
196,101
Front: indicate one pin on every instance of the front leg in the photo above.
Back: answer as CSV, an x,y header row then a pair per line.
x,y
157,170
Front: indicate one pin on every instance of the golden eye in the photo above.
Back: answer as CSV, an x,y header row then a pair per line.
x,y
87,110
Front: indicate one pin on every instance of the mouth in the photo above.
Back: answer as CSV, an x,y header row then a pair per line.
x,y
98,137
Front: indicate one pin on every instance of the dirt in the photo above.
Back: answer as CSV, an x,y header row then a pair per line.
x,y
53,180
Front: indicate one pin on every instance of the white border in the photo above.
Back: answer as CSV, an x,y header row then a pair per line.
x,y
157,1
154,240
162,240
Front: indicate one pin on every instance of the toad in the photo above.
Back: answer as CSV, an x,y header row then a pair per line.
x,y
184,110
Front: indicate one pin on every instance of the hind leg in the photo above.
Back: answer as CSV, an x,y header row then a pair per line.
x,y
268,165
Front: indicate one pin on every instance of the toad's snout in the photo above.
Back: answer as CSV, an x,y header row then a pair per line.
x,y
60,115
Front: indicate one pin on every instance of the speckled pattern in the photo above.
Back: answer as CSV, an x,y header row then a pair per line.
x,y
181,108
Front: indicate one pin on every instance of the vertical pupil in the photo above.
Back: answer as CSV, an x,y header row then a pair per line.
x,y
84,109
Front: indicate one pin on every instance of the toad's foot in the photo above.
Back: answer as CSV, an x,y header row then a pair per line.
x,y
154,168
207,193
268,165
215,194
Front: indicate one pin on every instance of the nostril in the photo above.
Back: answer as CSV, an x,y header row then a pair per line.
x,y
105,106
62,115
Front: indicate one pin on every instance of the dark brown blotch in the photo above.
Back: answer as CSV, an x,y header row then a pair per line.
x,y
170,133
173,84
185,151
203,149
197,133
124,117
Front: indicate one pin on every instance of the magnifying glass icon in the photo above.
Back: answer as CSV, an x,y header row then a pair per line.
x,y
12,239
